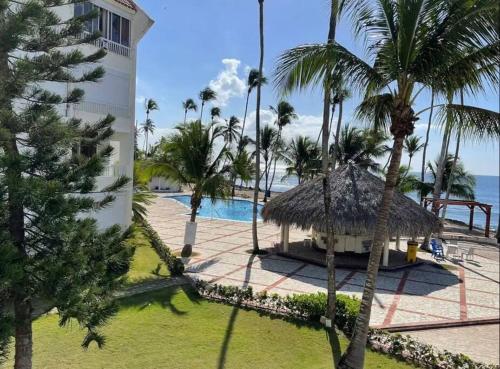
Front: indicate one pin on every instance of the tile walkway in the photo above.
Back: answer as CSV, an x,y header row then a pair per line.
x,y
422,294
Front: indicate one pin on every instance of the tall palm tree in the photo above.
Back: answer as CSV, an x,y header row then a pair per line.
x,y
215,112
285,114
295,72
206,95
190,157
302,157
412,145
187,105
150,105
268,137
257,130
231,130
252,81
148,127
408,41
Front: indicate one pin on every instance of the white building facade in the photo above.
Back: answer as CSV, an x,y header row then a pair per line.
x,y
122,25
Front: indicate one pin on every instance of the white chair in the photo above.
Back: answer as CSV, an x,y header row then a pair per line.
x,y
469,254
452,251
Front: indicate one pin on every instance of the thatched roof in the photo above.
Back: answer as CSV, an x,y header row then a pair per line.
x,y
356,195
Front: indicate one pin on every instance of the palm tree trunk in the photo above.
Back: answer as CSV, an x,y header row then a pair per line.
x,y
327,195
438,183
257,133
330,126
244,119
337,134
454,164
422,174
354,356
278,138
146,151
185,115
23,333
450,180
201,111
267,179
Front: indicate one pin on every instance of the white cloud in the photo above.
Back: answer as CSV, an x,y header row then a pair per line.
x,y
228,83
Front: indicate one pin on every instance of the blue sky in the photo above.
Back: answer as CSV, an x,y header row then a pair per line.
x,y
196,43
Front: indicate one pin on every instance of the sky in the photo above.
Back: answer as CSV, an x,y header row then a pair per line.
x,y
194,44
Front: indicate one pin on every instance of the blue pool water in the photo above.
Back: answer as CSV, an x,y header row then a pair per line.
x,y
240,210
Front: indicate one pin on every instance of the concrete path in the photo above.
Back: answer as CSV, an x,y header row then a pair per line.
x,y
479,342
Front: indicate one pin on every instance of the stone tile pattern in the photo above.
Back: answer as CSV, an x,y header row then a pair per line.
x,y
422,294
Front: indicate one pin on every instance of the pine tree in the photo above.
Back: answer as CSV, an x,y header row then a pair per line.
x,y
52,252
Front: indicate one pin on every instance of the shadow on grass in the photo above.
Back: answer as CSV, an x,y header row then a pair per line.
x,y
333,340
161,297
232,319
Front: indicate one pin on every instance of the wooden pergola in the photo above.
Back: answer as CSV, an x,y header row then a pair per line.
x,y
486,208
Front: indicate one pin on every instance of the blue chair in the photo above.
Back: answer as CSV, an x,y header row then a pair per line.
x,y
437,250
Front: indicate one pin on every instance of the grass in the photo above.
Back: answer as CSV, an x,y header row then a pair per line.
x,y
145,261
173,328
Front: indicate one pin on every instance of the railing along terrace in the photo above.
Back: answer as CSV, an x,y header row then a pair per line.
x,y
109,45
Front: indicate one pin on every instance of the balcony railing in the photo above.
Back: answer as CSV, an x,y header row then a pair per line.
x,y
109,45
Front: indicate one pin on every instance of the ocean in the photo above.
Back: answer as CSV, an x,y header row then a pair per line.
x,y
487,191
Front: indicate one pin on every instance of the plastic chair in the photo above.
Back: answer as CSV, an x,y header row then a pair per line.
x,y
469,254
452,251
437,250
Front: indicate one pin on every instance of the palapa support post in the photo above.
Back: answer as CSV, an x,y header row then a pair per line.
x,y
385,261
285,228
398,241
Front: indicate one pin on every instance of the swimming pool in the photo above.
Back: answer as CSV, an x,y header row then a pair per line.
x,y
240,210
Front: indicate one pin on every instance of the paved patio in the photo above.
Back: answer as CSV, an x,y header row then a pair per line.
x,y
421,294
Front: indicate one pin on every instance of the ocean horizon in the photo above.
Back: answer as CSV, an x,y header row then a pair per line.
x,y
487,191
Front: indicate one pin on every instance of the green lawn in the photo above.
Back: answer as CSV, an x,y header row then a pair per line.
x,y
173,328
144,262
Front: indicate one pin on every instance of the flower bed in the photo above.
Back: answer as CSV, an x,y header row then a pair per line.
x,y
311,307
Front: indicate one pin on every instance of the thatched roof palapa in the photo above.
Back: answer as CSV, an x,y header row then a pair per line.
x,y
356,196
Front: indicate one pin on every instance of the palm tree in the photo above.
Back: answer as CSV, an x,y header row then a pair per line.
x,y
407,182
268,136
359,146
302,158
409,42
150,105
252,82
206,95
215,112
241,167
257,130
285,114
412,145
187,105
455,177
148,127
190,158
231,131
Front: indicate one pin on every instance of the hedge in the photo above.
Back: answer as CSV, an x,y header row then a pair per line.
x,y
311,307
173,263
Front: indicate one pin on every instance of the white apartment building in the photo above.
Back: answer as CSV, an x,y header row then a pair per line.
x,y
122,24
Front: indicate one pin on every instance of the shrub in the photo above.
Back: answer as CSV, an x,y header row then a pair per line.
x,y
173,263
311,307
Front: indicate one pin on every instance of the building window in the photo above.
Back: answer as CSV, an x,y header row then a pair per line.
x,y
111,26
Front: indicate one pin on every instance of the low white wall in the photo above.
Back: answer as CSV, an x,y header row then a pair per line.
x,y
163,184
